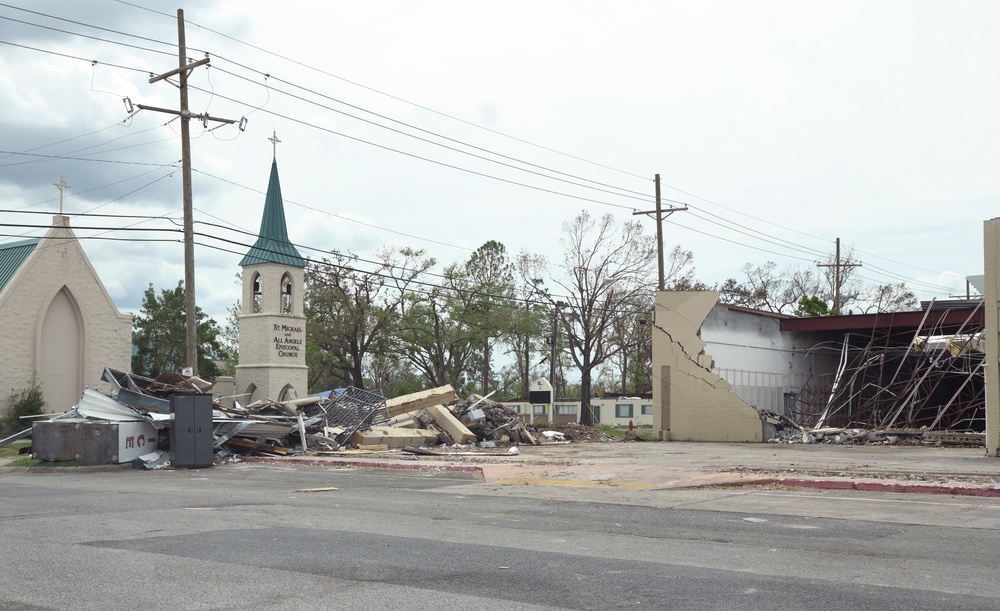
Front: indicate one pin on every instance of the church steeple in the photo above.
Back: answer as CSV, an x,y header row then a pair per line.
x,y
272,245
272,319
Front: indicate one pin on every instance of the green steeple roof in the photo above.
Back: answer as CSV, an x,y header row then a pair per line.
x,y
272,244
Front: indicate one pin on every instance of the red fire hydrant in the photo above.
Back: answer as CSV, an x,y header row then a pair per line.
x,y
630,426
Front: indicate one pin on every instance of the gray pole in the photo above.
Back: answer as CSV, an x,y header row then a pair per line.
x,y
191,320
658,214
552,355
836,280
659,234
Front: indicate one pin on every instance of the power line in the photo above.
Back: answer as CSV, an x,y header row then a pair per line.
x,y
338,216
388,95
159,165
428,159
626,192
420,157
77,57
88,25
114,42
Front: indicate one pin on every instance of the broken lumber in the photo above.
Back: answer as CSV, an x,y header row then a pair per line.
x,y
418,400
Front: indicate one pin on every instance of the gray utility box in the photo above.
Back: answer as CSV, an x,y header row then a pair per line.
x,y
91,440
191,430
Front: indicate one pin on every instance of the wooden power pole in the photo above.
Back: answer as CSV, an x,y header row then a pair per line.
x,y
659,214
183,70
837,266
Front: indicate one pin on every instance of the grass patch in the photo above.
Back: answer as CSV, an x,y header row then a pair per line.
x,y
11,449
610,431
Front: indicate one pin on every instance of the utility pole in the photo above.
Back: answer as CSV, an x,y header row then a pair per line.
x,y
183,70
659,214
552,353
837,266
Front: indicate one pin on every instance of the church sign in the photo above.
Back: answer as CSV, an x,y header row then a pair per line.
x,y
288,341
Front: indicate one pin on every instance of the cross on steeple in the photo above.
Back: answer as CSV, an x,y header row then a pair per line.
x,y
274,141
62,186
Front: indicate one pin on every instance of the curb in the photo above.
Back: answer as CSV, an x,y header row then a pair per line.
x,y
982,491
364,464
54,469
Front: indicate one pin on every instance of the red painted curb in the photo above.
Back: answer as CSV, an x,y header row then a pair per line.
x,y
891,487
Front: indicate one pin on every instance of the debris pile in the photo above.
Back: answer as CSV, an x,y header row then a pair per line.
x,y
778,428
140,413
899,377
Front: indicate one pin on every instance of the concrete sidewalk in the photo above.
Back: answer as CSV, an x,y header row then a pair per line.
x,y
679,465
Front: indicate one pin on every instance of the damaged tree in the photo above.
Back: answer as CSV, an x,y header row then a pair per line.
x,y
605,268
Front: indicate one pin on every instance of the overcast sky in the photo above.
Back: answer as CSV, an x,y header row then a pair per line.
x,y
442,125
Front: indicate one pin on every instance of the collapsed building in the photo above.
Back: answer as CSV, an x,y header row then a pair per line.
x,y
173,421
725,373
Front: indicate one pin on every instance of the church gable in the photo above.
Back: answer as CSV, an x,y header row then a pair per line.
x,y
59,314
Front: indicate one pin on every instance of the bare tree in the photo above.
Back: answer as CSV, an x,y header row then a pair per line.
x,y
605,268
891,297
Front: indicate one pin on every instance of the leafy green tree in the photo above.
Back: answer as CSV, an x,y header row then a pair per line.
x,y
490,275
352,312
532,323
392,374
812,306
159,337
439,331
229,341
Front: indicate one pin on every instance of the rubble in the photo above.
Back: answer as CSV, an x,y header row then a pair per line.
x,y
344,420
779,428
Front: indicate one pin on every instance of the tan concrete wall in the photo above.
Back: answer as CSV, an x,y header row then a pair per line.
x,y
690,403
991,249
57,280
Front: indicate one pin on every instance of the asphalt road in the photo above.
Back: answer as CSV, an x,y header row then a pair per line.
x,y
241,537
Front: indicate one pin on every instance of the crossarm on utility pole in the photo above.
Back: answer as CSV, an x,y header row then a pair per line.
x,y
185,68
659,214
186,114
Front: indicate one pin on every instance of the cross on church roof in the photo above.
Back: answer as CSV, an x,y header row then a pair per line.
x,y
274,142
62,186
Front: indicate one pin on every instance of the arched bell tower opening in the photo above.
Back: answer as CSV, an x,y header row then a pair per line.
x,y
258,294
287,290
